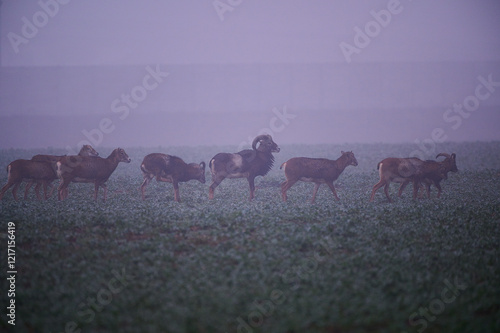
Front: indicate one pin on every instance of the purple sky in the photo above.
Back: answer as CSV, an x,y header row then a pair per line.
x,y
67,63
116,32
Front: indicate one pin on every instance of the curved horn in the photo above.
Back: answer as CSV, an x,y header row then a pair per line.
x,y
258,139
443,154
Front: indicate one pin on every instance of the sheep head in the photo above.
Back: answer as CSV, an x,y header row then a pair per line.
x,y
266,144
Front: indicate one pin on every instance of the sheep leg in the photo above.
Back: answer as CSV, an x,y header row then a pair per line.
x,y
386,191
27,188
316,187
176,191
147,179
438,187
416,185
428,189
62,191
96,191
5,188
215,182
375,189
52,187
251,183
65,193
285,186
47,189
45,184
402,187
105,187
14,190
330,185
283,191
37,190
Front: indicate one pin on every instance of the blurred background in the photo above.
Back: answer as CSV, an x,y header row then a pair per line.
x,y
172,73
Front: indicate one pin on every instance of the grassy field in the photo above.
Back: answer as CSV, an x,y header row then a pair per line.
x,y
230,265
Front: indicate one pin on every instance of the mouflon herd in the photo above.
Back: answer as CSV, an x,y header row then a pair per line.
x,y
89,167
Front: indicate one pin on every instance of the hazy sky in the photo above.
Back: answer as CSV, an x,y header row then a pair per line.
x,y
96,32
351,71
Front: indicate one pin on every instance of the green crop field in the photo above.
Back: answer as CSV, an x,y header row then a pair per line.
x,y
231,265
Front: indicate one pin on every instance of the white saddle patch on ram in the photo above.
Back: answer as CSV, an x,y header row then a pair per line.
x,y
237,161
167,159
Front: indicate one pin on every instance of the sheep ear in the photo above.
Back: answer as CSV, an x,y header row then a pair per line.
x,y
453,156
202,164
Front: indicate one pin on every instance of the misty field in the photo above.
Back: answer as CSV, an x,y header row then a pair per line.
x,y
230,265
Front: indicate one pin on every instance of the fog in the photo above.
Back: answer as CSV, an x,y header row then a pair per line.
x,y
173,73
